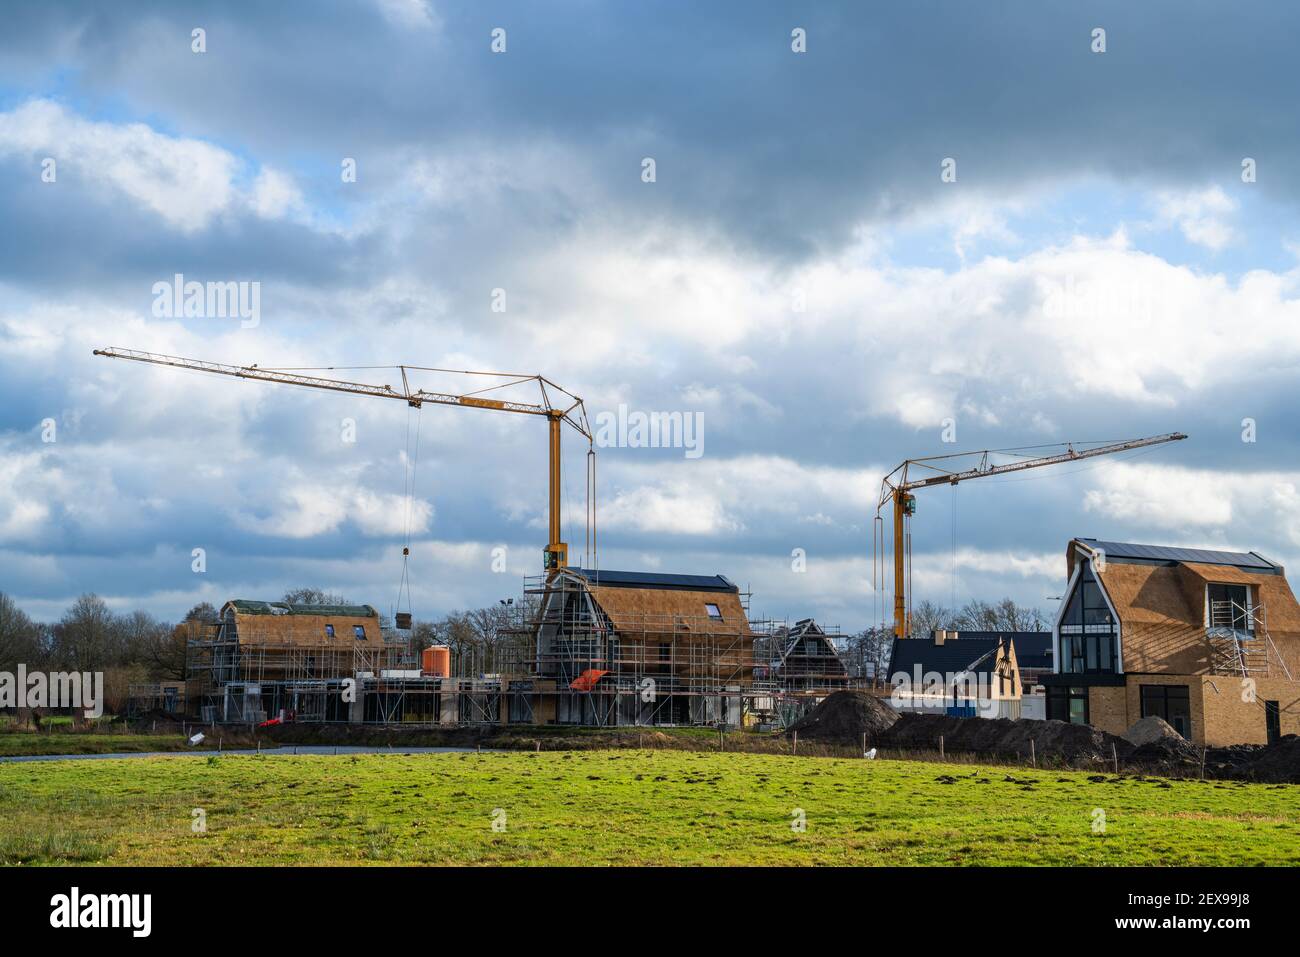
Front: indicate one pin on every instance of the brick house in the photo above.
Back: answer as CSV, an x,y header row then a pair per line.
x,y
976,676
1207,640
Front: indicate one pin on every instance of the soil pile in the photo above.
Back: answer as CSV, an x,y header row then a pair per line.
x,y
1050,739
1158,747
844,717
1278,763
1151,730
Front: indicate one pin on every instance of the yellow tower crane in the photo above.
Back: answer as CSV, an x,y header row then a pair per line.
x,y
898,486
569,410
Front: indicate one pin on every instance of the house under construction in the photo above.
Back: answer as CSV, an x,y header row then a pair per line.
x,y
638,648
596,648
802,657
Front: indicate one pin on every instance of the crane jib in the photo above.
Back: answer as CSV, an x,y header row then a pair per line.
x,y
555,555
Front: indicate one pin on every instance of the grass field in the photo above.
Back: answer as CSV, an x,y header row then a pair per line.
x,y
624,807
79,742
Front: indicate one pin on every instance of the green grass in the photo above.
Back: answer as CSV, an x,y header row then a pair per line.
x,y
625,807
87,742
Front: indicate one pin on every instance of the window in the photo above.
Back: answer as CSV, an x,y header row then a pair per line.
x,y
1088,632
329,631
1171,702
1227,606
714,611
1272,721
1067,704
359,631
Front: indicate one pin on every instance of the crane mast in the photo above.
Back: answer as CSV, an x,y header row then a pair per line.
x,y
570,410
898,485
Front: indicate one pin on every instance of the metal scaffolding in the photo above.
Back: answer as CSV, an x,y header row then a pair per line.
x,y
562,661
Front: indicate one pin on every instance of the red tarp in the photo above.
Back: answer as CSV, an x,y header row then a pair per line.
x,y
587,680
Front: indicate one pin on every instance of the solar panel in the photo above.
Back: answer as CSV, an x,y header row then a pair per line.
x,y
656,580
1165,553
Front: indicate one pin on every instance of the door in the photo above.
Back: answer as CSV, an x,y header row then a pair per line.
x,y
1272,721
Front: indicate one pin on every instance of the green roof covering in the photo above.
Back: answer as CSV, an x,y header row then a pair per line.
x,y
246,607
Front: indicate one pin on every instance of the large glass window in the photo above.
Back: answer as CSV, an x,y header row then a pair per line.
x,y
1171,702
1067,704
1088,632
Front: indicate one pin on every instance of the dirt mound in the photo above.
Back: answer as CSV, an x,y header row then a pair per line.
x,y
845,716
1278,763
1152,729
1059,739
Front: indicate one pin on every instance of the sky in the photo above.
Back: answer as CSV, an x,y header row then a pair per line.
x,y
832,236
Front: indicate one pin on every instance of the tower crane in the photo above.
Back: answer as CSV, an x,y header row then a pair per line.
x,y
897,488
568,409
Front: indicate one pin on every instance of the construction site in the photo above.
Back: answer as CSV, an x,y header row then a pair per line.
x,y
588,648
594,647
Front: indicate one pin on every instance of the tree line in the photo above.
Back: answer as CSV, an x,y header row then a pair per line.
x,y
867,653
135,647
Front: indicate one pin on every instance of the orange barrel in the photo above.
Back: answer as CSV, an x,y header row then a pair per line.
x,y
436,661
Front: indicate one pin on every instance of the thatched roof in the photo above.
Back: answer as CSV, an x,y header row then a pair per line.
x,y
1160,602
668,605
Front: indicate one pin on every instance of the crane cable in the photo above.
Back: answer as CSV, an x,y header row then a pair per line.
x,y
954,548
412,464
877,576
592,561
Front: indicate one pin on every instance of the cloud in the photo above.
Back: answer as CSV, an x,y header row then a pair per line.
x,y
310,509
805,283
274,194
409,14
186,182
1211,508
1201,215
24,510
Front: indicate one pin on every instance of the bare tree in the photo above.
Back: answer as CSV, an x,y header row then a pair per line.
x,y
490,626
458,634
166,653
136,633
203,611
867,653
927,616
20,637
1005,615
85,637
313,596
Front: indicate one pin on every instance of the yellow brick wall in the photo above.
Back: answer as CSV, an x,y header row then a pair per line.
x,y
1232,718
1133,699
1221,715
1108,709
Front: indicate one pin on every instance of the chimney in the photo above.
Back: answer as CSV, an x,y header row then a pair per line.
x,y
940,635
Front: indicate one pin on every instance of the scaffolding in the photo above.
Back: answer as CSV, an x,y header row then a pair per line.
x,y
804,657
563,661
1239,641
249,682
651,669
